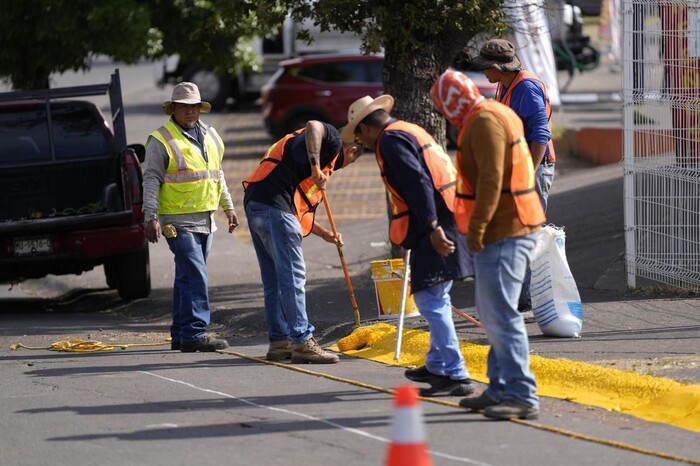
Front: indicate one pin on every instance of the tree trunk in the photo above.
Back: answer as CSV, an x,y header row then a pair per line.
x,y
409,79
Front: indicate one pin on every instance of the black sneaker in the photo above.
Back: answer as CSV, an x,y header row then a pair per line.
x,y
175,345
511,409
205,345
441,385
419,374
477,403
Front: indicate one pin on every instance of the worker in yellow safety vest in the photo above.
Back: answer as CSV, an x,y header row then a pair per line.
x,y
183,185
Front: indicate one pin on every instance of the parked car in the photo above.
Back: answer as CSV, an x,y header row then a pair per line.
x,y
72,191
322,87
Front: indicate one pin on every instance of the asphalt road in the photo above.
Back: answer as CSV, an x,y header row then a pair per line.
x,y
153,406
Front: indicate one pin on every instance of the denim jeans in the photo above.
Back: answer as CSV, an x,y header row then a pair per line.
x,y
191,312
277,241
444,356
544,176
500,268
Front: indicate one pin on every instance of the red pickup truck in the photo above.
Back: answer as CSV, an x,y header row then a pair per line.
x,y
71,189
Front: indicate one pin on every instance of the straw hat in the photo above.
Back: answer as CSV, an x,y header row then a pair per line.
x,y
360,109
186,93
496,53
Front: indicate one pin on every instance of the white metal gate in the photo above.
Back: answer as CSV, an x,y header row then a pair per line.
x,y
661,60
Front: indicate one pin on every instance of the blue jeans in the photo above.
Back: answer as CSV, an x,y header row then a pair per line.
x,y
544,176
191,312
500,268
277,240
444,356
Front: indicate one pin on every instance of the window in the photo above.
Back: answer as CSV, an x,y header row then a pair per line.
x,y
77,134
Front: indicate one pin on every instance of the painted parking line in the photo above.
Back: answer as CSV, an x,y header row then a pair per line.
x,y
289,412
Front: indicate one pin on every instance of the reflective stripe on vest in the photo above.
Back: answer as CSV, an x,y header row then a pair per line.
x,y
307,196
191,183
442,173
505,100
522,178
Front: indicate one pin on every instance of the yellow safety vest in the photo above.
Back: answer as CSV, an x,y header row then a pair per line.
x,y
191,183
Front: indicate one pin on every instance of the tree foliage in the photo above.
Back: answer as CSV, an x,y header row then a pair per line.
x,y
40,37
419,39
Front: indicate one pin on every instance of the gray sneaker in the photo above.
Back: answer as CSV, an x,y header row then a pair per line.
x,y
511,409
279,351
310,352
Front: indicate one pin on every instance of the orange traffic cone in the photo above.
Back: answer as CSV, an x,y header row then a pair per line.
x,y
408,446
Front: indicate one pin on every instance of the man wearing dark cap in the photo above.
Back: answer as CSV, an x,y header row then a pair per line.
x,y
183,185
527,95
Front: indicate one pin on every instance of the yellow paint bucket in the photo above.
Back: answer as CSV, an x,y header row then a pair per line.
x,y
388,281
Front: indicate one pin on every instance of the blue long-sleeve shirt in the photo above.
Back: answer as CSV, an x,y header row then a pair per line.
x,y
528,101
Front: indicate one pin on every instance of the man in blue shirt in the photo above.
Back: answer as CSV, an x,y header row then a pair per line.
x,y
527,95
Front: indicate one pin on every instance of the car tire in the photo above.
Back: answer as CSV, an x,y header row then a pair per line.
x,y
213,88
130,274
298,121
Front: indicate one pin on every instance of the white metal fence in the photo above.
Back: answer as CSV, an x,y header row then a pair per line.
x,y
661,65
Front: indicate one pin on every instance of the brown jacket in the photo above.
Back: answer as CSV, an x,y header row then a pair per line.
x,y
486,163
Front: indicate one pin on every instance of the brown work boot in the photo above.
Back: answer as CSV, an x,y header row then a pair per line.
x,y
310,352
279,350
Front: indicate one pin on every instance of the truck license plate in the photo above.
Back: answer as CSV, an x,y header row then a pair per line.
x,y
32,246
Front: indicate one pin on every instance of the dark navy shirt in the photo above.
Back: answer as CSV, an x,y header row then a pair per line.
x,y
407,173
278,188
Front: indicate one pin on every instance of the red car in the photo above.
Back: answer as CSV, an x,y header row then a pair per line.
x,y
319,87
322,87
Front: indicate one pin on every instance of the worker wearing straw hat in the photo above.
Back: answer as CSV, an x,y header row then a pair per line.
x,y
420,182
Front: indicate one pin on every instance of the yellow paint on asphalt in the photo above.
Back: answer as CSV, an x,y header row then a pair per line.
x,y
651,398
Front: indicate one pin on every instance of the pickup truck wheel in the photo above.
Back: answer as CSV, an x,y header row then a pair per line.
x,y
130,274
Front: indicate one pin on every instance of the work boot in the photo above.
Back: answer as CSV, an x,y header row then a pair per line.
x,y
175,345
206,344
477,403
279,350
419,374
511,409
441,385
310,352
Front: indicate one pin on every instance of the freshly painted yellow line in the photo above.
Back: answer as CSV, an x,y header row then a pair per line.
x,y
651,398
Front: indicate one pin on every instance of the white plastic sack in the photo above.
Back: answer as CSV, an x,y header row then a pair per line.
x,y
556,302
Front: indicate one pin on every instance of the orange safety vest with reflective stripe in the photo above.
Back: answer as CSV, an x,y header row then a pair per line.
x,y
307,196
505,100
522,178
191,184
442,172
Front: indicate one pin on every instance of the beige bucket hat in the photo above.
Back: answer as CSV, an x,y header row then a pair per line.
x,y
360,109
186,93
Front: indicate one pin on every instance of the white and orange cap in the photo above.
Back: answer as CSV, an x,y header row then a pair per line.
x,y
455,95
